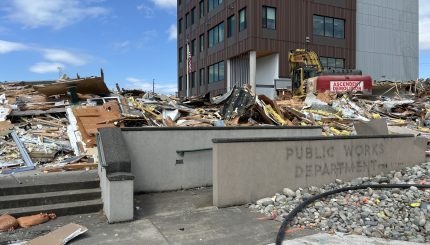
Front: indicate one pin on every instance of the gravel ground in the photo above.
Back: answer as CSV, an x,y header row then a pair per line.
x,y
389,213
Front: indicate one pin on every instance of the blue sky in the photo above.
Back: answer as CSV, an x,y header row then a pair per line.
x,y
133,40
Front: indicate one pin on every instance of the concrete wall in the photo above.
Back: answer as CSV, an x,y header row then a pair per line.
x,y
267,72
247,170
387,39
157,166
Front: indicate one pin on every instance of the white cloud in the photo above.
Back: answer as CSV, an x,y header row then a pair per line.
x,y
163,88
173,32
147,12
424,25
52,58
45,67
165,3
7,47
56,14
57,55
146,38
123,46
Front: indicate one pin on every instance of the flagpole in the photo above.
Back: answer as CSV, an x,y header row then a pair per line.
x,y
188,72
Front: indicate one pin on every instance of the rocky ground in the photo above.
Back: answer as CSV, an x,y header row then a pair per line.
x,y
389,213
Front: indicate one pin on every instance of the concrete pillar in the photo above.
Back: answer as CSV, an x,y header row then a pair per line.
x,y
117,196
253,69
228,75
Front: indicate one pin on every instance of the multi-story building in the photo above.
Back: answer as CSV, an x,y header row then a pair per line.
x,y
236,42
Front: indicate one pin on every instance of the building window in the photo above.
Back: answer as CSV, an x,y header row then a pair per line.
x,y
213,4
216,72
180,84
339,28
193,79
180,55
193,16
180,26
216,35
329,62
180,2
202,76
193,47
187,20
269,18
328,27
202,8
202,43
242,19
230,26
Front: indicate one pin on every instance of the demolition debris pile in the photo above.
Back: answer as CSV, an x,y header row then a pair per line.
x,y
53,123
392,214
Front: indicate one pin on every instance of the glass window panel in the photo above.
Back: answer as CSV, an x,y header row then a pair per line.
x,y
242,19
221,33
221,71
318,23
339,28
202,43
323,61
331,62
211,74
328,27
271,18
210,5
193,47
340,63
202,8
271,13
216,35
216,72
211,38
230,26
193,16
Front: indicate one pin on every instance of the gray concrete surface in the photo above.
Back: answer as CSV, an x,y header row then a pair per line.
x,y
246,170
183,217
157,166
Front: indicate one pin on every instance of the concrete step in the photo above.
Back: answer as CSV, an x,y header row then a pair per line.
x,y
50,187
47,198
60,209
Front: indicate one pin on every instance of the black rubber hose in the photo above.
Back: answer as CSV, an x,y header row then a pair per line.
x,y
304,204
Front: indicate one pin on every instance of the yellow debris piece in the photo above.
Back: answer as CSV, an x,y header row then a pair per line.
x,y
376,116
415,205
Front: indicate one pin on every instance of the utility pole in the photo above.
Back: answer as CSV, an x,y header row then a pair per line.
x,y
153,86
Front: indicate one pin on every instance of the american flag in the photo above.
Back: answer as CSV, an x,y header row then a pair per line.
x,y
189,59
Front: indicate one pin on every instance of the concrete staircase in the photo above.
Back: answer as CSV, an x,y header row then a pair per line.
x,y
61,193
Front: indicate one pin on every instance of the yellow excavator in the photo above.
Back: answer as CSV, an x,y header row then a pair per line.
x,y
306,71
304,64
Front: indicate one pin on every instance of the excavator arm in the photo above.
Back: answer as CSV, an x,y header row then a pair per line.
x,y
301,58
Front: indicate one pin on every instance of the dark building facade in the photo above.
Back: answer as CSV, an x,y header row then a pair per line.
x,y
236,42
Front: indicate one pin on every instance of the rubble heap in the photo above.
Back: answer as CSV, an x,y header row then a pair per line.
x,y
58,120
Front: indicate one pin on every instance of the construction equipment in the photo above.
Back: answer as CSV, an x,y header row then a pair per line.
x,y
308,75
